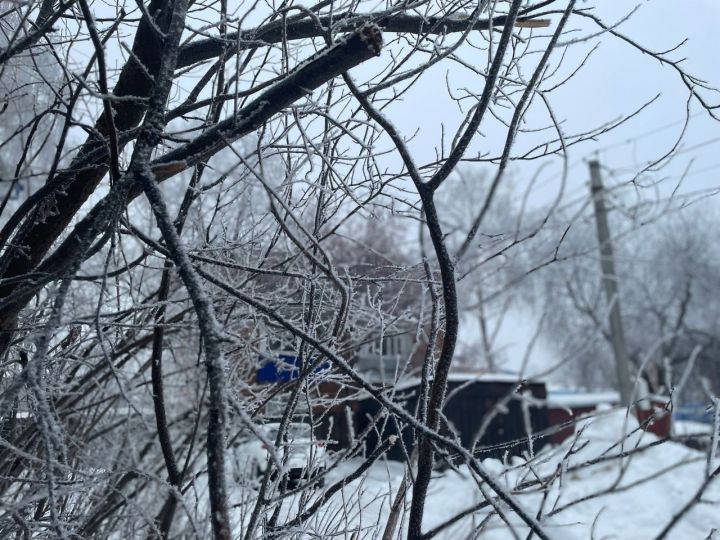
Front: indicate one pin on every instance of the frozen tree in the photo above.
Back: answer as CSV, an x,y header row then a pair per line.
x,y
214,170
666,272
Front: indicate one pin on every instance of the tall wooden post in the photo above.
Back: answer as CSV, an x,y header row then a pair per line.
x,y
610,284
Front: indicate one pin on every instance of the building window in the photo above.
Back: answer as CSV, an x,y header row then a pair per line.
x,y
395,345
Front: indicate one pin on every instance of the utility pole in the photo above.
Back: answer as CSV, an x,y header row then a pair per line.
x,y
610,284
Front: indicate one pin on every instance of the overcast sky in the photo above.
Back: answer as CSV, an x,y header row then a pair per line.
x,y
616,81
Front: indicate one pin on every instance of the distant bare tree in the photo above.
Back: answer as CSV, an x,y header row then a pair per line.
x,y
666,272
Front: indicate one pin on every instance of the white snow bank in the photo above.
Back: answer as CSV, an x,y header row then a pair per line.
x,y
568,399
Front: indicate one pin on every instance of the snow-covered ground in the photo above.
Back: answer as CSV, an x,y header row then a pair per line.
x,y
631,497
646,489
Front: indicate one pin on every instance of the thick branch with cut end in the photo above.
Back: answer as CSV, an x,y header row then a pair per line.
x,y
348,52
277,31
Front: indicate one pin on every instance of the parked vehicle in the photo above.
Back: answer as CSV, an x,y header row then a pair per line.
x,y
303,456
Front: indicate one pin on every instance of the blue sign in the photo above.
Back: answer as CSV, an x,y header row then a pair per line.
x,y
282,367
695,412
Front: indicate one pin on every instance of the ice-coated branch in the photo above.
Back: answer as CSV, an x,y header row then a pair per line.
x,y
317,70
348,52
316,27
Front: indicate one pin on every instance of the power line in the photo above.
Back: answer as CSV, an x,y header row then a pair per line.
x,y
635,139
649,132
706,169
696,146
